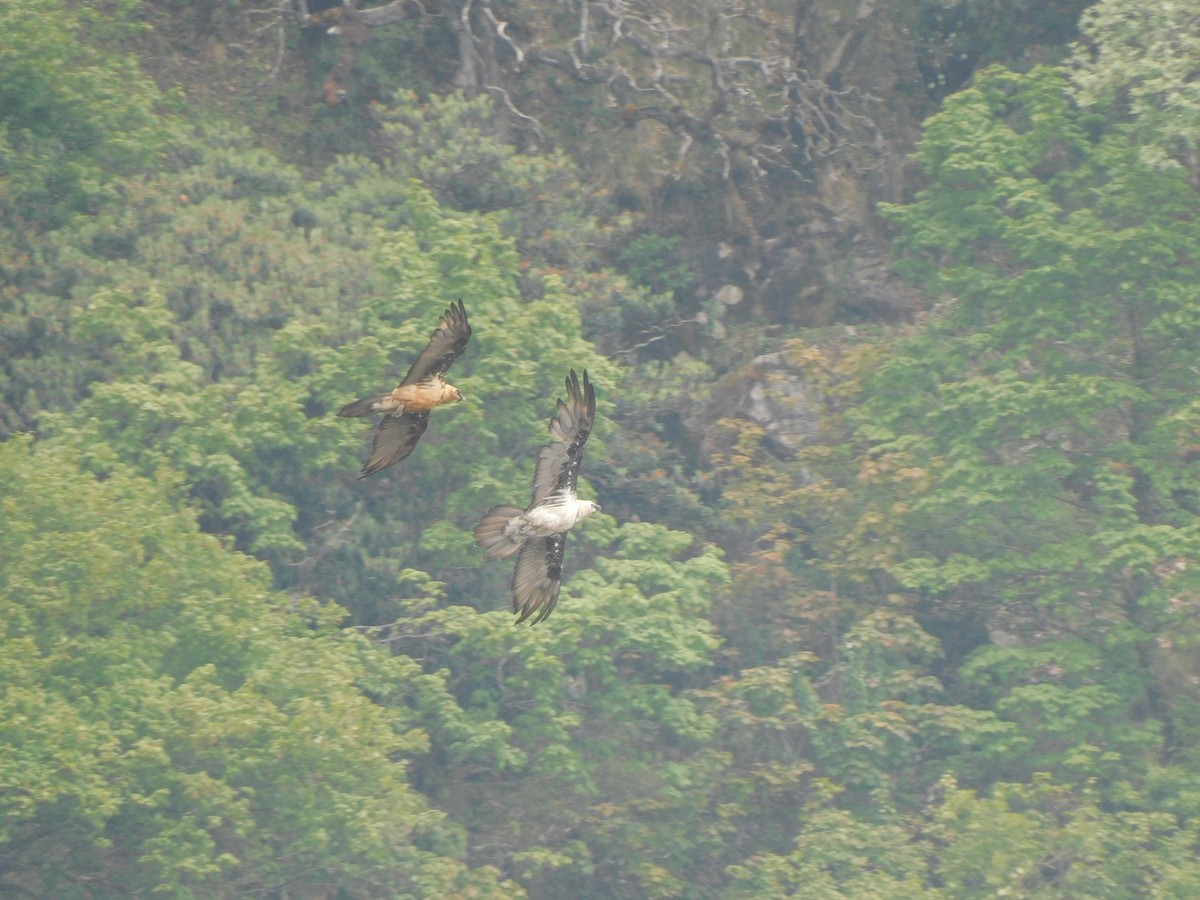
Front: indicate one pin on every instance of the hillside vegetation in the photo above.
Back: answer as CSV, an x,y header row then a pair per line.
x,y
929,626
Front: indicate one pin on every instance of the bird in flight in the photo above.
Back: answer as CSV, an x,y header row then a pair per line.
x,y
406,407
538,533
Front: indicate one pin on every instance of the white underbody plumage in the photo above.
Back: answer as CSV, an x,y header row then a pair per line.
x,y
506,528
555,517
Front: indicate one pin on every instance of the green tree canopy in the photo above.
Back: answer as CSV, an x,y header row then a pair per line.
x,y
73,112
171,724
1137,66
1049,406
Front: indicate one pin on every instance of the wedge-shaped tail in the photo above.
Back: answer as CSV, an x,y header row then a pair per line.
x,y
498,532
368,406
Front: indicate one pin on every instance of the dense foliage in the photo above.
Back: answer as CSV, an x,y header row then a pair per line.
x,y
947,644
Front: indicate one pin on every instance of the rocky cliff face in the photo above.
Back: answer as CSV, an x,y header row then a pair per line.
x,y
783,402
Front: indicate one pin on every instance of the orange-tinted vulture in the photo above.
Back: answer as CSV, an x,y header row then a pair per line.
x,y
406,407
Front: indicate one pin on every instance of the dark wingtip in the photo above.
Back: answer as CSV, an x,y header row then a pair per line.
x,y
368,470
588,398
525,614
573,391
458,311
589,392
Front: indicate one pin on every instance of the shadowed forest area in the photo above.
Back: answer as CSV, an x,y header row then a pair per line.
x,y
893,318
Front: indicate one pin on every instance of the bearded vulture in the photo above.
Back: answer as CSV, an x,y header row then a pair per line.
x,y
539,532
406,408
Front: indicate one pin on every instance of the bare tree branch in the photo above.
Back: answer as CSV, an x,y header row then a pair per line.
x,y
727,78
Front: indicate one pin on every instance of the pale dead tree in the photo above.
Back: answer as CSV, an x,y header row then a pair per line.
x,y
730,78
477,68
373,17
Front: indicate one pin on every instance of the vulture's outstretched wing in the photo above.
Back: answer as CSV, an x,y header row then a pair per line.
x,y
446,344
560,460
537,577
395,438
